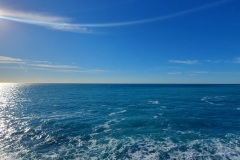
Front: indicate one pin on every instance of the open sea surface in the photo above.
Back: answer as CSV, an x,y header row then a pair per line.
x,y
119,121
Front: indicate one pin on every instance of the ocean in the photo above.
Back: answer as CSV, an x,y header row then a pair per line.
x,y
119,121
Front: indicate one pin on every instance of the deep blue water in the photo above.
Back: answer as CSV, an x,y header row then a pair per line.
x,y
92,121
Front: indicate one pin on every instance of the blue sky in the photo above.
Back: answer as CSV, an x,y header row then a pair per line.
x,y
122,41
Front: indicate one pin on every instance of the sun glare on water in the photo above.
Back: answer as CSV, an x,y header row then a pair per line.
x,y
10,104
8,93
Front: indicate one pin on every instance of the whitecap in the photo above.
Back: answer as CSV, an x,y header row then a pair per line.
x,y
214,100
154,102
143,147
106,127
114,113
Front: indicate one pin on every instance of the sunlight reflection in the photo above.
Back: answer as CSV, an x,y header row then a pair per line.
x,y
13,99
8,99
7,92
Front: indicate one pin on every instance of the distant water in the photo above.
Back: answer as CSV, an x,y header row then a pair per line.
x,y
88,121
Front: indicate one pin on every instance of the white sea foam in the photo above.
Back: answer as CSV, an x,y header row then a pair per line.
x,y
119,112
137,147
154,102
187,132
58,116
215,100
146,148
106,127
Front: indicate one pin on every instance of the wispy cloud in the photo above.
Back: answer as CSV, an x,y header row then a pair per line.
x,y
214,61
200,72
174,67
174,73
237,60
9,62
197,73
64,24
184,61
42,19
159,18
54,66
219,61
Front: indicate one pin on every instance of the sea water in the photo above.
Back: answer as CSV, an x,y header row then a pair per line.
x,y
116,121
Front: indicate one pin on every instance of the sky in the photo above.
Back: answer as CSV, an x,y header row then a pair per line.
x,y
120,41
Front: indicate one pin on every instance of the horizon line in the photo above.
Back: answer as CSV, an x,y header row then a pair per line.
x,y
110,83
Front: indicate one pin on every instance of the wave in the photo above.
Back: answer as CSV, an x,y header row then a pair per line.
x,y
100,142
114,113
140,147
215,100
154,102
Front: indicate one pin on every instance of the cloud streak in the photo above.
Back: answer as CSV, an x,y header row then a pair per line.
x,y
190,62
64,24
160,18
237,60
54,66
7,62
200,72
41,19
174,73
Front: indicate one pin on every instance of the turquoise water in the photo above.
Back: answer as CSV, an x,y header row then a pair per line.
x,y
90,121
